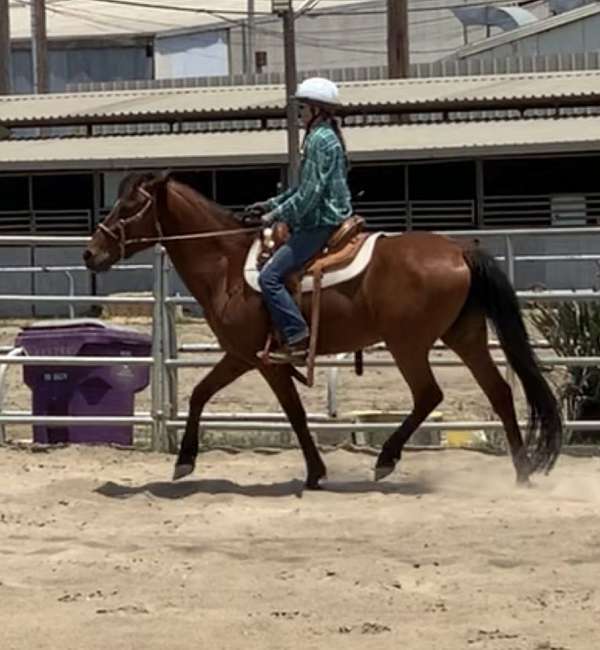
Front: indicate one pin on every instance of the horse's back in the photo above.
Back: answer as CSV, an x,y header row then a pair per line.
x,y
420,277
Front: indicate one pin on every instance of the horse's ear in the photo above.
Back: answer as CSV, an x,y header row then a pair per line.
x,y
157,184
157,188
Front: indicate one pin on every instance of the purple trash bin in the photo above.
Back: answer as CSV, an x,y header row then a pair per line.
x,y
84,390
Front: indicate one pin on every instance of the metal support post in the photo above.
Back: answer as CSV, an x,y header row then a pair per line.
x,y
39,46
332,377
71,281
169,337
510,259
159,442
250,38
510,271
5,54
290,89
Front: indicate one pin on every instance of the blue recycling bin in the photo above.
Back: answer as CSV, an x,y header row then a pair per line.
x,y
84,390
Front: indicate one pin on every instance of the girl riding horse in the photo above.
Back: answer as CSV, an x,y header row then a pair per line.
x,y
312,211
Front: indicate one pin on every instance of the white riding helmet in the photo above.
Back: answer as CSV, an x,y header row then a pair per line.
x,y
318,90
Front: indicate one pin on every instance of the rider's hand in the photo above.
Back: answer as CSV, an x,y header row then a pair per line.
x,y
267,219
257,209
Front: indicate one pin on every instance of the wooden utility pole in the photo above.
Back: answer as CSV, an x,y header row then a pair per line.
x,y
285,10
398,47
4,48
39,46
250,39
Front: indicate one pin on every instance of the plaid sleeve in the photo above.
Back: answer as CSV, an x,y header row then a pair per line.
x,y
280,198
317,168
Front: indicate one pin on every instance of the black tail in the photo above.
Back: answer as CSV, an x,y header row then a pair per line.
x,y
492,291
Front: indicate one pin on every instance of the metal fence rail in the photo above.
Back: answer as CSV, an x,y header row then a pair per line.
x,y
164,416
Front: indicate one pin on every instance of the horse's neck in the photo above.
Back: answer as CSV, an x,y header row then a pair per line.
x,y
211,267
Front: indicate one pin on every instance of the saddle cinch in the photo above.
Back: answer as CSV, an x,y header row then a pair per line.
x,y
339,251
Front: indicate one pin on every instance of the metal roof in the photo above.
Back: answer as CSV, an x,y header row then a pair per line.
x,y
537,90
373,143
531,29
96,19
504,17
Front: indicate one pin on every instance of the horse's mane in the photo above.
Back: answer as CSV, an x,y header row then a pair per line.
x,y
133,180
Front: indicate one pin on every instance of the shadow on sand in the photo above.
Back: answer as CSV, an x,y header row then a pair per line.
x,y
183,489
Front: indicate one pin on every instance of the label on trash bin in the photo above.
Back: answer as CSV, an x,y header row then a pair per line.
x,y
56,376
123,371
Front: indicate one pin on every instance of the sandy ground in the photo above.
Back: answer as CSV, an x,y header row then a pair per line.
x,y
99,550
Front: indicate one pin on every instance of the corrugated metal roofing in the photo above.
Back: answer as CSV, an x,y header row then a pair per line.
x,y
91,18
20,109
531,29
445,93
396,142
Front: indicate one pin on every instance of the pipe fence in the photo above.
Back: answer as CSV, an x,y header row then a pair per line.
x,y
164,417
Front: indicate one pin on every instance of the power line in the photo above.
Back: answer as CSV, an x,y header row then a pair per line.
x,y
111,21
307,9
300,38
217,13
373,12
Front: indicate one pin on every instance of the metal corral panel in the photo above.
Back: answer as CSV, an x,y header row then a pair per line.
x,y
418,141
449,93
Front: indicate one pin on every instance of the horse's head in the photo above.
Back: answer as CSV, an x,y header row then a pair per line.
x,y
134,217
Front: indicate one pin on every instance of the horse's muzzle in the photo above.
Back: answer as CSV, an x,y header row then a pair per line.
x,y
97,262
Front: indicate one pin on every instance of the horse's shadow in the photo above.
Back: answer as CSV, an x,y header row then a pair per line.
x,y
183,489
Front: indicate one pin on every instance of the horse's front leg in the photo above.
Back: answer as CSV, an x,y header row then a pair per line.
x,y
227,370
280,380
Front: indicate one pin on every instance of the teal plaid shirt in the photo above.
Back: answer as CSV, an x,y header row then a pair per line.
x,y
322,197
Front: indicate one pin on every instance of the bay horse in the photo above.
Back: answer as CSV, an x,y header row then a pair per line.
x,y
419,287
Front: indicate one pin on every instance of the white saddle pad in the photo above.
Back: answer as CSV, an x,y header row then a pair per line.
x,y
330,278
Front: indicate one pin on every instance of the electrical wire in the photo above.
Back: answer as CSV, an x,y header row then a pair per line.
x,y
301,38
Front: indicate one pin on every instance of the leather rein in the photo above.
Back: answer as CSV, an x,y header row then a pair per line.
x,y
119,235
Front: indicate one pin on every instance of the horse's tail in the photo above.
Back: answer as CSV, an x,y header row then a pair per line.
x,y
492,291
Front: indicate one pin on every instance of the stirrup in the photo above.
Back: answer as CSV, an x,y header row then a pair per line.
x,y
295,353
287,355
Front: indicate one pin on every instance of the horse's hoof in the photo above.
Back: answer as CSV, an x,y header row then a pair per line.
x,y
381,471
524,482
182,470
314,483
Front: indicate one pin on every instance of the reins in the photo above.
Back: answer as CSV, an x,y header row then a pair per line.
x,y
199,235
118,234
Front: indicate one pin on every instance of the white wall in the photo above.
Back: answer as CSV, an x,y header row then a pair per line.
x,y
204,54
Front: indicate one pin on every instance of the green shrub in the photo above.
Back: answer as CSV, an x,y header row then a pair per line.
x,y
573,329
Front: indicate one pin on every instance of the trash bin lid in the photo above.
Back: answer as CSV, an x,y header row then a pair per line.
x,y
66,322
75,323
64,337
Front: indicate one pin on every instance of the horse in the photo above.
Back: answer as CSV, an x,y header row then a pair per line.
x,y
417,288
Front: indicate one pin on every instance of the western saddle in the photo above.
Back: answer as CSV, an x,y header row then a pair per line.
x,y
341,248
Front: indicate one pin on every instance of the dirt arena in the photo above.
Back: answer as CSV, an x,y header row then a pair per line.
x,y
100,550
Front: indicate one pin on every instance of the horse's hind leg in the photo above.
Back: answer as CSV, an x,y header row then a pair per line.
x,y
468,338
416,370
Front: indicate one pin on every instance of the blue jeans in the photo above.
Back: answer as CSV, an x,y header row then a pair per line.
x,y
287,259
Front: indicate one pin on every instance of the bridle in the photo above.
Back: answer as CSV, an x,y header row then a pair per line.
x,y
119,235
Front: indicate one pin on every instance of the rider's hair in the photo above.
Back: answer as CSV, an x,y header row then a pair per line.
x,y
320,115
